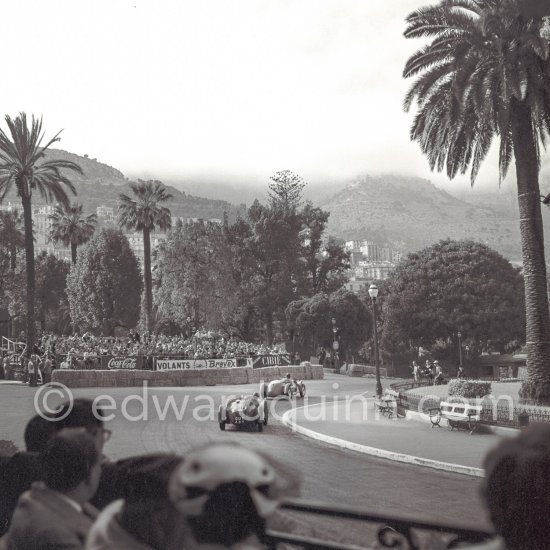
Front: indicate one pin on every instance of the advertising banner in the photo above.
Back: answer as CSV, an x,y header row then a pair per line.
x,y
125,363
279,360
185,364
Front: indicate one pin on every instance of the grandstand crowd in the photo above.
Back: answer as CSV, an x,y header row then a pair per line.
x,y
78,351
62,492
203,345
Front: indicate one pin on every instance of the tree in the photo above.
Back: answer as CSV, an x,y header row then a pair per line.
x,y
485,73
71,227
12,236
311,319
325,264
144,213
22,164
188,268
104,287
271,257
52,304
452,287
286,190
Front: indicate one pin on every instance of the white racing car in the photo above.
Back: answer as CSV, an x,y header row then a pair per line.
x,y
285,386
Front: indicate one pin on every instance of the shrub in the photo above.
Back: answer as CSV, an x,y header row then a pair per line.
x,y
460,387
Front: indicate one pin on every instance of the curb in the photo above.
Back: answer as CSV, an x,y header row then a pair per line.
x,y
288,420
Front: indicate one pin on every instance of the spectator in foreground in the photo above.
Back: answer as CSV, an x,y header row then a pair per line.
x,y
23,468
143,518
55,514
227,492
517,489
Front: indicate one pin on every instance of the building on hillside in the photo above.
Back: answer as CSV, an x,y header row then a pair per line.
x,y
385,254
353,245
369,251
355,285
136,243
105,211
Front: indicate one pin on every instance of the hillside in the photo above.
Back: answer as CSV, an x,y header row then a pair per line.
x,y
101,184
410,213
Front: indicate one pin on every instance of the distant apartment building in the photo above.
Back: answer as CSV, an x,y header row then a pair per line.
x,y
369,251
369,262
106,216
136,243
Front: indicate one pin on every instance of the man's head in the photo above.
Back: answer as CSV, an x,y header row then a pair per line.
x,y
38,432
287,376
83,414
517,488
71,464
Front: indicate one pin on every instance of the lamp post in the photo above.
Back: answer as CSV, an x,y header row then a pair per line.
x,y
335,345
373,293
459,349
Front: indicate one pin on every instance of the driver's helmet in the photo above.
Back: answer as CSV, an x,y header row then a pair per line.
x,y
226,493
287,376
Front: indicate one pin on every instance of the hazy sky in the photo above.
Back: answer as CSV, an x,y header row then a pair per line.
x,y
222,88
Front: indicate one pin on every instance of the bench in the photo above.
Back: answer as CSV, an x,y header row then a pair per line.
x,y
458,415
387,403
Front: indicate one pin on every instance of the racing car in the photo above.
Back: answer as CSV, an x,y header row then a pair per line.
x,y
243,411
285,386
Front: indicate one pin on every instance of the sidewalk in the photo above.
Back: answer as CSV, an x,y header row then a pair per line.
x,y
356,425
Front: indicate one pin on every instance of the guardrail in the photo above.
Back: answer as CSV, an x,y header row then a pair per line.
x,y
494,413
392,532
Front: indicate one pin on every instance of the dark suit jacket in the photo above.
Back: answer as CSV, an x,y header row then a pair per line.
x,y
16,477
43,520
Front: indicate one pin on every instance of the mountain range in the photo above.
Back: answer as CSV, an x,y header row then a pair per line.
x,y
406,213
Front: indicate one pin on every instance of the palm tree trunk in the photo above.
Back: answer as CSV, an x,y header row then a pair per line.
x,y
147,279
13,257
29,260
537,384
73,253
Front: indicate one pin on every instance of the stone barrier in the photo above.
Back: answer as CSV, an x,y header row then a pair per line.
x,y
178,378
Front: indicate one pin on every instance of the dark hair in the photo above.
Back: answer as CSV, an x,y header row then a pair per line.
x,y
81,413
38,432
68,459
229,516
517,488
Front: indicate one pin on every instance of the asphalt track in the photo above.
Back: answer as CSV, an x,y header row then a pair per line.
x,y
327,474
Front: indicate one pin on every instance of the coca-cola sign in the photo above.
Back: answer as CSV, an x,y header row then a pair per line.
x,y
126,363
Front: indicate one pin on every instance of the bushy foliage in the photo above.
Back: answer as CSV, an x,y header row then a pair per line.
x,y
311,318
451,287
469,389
104,287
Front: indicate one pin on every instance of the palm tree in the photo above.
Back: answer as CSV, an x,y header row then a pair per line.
x,y
486,73
144,213
11,233
22,164
71,227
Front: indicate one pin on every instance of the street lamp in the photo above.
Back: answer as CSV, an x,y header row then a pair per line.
x,y
335,343
373,293
459,350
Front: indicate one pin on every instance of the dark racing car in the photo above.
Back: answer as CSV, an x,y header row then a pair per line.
x,y
244,411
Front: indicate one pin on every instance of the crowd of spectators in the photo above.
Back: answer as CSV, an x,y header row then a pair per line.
x,y
203,345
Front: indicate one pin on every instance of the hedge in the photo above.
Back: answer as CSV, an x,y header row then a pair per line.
x,y
460,387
